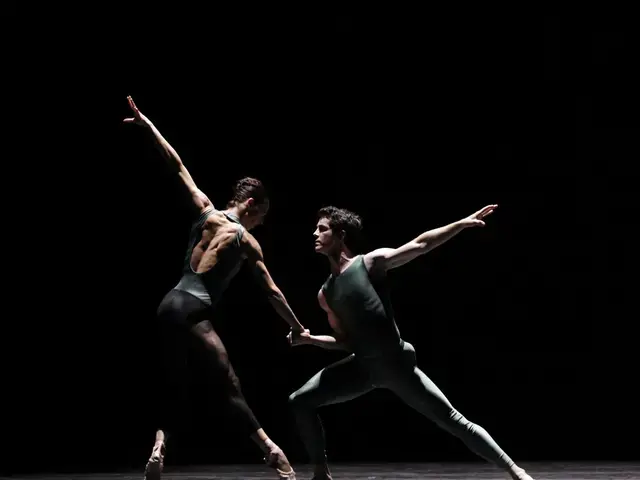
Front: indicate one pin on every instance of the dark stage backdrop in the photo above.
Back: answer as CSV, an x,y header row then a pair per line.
x,y
412,119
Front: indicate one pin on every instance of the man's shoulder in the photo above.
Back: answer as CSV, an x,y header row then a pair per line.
x,y
373,262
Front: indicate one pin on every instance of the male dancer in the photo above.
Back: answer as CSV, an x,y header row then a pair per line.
x,y
357,302
218,245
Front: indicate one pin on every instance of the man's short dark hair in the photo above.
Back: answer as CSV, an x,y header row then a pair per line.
x,y
345,220
246,188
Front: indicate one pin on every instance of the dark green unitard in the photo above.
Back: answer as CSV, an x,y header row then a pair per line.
x,y
380,359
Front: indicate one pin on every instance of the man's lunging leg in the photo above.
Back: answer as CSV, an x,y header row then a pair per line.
x,y
418,391
339,382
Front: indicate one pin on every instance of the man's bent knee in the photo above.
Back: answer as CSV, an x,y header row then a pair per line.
x,y
295,401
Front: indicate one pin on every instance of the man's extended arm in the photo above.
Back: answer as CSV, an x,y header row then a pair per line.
x,y
388,258
174,161
274,295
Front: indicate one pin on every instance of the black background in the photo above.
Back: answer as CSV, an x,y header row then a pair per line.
x,y
411,118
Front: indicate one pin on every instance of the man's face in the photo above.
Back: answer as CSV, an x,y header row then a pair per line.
x,y
326,239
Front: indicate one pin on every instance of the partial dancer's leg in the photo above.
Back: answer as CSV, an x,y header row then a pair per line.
x,y
339,382
419,392
223,376
170,407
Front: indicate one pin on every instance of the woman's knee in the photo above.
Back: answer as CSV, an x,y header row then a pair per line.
x,y
223,375
409,355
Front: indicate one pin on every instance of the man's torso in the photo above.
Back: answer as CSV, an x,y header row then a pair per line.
x,y
362,304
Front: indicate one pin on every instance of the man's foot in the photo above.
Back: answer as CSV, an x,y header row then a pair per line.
x,y
520,474
321,470
154,467
525,476
277,460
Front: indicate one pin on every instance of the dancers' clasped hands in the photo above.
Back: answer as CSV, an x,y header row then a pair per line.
x,y
299,337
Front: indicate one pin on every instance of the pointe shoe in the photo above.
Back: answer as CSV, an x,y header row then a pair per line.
x,y
275,459
154,467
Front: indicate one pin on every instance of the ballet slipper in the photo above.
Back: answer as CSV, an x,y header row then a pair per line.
x,y
155,465
274,459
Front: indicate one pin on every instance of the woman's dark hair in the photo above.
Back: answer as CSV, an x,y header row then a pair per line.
x,y
249,188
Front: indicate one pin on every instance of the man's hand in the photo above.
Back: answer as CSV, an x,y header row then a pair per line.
x,y
477,219
138,118
296,337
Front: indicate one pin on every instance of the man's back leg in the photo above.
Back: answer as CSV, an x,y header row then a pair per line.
x,y
417,390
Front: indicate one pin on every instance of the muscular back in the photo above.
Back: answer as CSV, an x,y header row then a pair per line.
x,y
215,254
219,235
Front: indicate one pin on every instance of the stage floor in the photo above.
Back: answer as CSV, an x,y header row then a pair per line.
x,y
539,471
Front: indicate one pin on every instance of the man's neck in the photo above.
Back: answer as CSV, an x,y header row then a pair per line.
x,y
235,211
338,260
